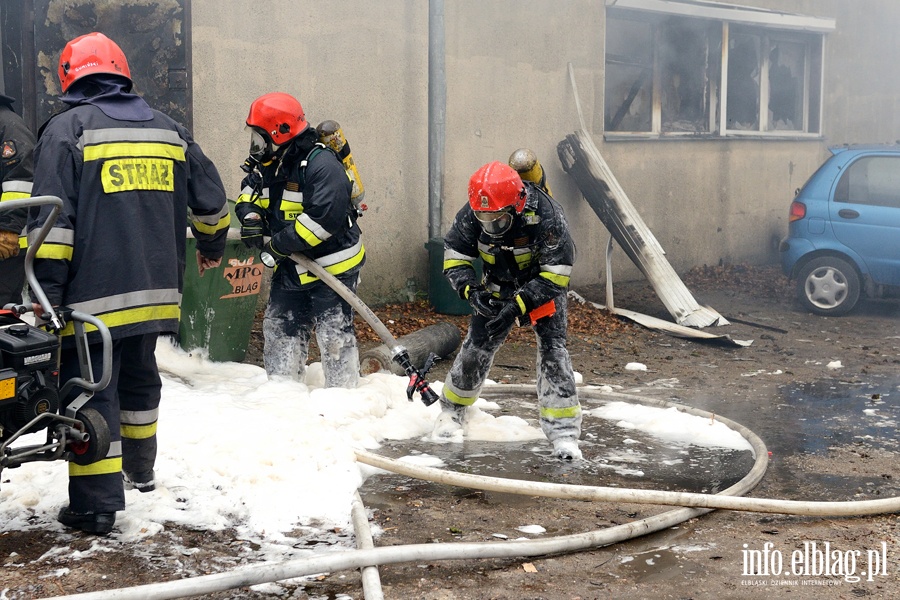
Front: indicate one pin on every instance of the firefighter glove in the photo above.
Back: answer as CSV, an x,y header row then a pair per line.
x,y
503,322
9,244
483,302
252,230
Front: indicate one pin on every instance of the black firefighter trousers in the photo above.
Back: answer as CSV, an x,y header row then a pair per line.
x,y
130,405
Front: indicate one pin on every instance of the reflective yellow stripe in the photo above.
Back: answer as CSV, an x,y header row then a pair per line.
x,y
487,258
23,242
568,412
521,304
291,210
248,198
457,399
308,236
14,196
560,280
54,251
224,223
346,264
337,268
523,260
101,467
132,149
138,432
449,264
130,316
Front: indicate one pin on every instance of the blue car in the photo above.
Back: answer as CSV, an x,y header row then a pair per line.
x,y
844,230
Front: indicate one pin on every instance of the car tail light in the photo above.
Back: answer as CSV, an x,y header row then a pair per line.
x,y
797,212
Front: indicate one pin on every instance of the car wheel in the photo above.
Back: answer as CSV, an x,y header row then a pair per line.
x,y
828,286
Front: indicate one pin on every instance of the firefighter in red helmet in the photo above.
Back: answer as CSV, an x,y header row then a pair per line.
x,y
131,180
296,197
522,237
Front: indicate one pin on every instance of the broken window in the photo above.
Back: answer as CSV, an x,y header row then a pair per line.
x,y
669,74
776,74
666,59
742,107
629,76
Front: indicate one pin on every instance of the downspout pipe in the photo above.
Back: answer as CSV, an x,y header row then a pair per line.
x,y
437,108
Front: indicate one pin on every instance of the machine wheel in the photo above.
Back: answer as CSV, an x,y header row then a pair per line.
x,y
828,286
97,445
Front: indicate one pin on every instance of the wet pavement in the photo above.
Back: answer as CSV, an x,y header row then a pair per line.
x,y
804,420
614,456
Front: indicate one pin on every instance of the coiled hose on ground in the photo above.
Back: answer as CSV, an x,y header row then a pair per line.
x,y
366,556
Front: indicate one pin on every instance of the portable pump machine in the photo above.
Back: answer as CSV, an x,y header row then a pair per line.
x,y
30,390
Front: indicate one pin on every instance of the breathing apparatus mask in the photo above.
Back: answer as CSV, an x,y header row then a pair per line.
x,y
262,151
495,222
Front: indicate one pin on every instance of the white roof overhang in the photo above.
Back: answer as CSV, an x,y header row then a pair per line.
x,y
729,12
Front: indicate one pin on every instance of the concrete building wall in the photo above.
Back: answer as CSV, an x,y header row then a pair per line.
x,y
365,64
362,64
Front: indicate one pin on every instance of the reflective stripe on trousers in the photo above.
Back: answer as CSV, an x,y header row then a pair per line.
x,y
560,412
134,388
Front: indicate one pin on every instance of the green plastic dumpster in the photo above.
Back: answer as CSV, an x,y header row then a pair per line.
x,y
218,309
440,295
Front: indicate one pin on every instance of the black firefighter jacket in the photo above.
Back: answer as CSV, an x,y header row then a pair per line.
x,y
16,165
532,262
306,206
117,249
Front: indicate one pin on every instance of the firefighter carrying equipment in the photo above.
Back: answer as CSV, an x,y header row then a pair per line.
x,y
331,134
305,200
526,268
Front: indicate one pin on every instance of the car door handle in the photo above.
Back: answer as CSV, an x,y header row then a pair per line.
x,y
848,213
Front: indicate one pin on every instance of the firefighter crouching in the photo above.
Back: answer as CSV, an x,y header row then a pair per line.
x,y
127,175
297,191
522,237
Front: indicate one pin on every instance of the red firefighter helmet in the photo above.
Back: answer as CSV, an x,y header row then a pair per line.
x,y
89,54
279,116
496,194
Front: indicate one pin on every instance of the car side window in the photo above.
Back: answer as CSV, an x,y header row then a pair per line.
x,y
872,180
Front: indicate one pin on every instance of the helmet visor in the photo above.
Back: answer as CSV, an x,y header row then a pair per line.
x,y
495,222
259,145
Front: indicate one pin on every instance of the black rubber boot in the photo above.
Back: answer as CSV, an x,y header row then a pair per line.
x,y
99,523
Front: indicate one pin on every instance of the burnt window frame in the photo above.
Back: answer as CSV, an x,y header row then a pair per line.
x,y
715,124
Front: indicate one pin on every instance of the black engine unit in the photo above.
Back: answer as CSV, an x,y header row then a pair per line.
x,y
29,379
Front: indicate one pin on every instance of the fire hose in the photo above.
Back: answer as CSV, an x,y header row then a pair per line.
x,y
694,504
399,354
